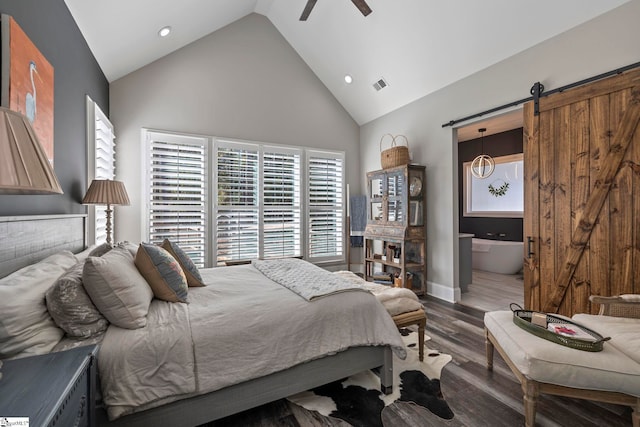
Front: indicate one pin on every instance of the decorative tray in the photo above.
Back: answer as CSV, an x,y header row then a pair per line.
x,y
557,329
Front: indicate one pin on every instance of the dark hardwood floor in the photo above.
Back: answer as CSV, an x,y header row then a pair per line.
x,y
477,397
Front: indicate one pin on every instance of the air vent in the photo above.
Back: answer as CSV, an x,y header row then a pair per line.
x,y
380,84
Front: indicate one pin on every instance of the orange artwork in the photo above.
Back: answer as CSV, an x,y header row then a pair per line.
x,y
30,83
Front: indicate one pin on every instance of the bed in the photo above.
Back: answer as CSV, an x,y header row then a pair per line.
x,y
217,394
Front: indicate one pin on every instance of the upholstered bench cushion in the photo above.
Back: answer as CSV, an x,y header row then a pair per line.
x,y
548,362
624,333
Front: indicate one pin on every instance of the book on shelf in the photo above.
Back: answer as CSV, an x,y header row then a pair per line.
x,y
570,330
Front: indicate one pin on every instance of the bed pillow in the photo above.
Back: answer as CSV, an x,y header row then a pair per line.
x,y
101,249
26,328
131,247
163,273
117,288
94,250
71,308
190,270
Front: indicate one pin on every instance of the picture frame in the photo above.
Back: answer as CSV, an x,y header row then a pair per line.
x,y
27,83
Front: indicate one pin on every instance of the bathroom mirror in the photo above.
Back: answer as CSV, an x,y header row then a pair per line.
x,y
499,195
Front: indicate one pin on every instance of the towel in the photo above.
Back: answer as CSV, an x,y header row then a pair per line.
x,y
358,213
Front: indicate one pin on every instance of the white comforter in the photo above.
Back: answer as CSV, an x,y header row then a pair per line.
x,y
239,327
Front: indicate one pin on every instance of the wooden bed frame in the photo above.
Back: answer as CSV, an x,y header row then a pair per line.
x,y
28,239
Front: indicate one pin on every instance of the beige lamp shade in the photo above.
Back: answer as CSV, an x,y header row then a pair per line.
x,y
106,192
24,167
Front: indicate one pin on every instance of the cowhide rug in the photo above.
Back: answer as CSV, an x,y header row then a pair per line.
x,y
358,400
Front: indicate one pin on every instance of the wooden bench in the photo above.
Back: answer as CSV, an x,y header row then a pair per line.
x,y
418,317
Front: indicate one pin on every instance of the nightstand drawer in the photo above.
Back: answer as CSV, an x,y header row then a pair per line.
x,y
74,411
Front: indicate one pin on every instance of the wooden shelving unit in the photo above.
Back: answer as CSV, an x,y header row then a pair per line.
x,y
395,236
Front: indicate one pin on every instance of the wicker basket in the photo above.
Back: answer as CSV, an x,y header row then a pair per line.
x,y
522,318
397,155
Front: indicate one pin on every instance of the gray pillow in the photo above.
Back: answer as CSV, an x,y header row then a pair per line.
x,y
190,270
71,307
132,247
118,290
26,328
101,249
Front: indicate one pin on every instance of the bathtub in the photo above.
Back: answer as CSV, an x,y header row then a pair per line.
x,y
497,256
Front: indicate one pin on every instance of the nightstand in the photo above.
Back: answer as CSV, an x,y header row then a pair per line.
x,y
56,389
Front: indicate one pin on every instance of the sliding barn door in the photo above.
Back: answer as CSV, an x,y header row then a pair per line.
x,y
582,195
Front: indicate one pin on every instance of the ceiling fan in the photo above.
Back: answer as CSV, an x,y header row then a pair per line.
x,y
360,4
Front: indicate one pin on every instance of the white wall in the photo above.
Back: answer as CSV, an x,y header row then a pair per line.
x,y
243,81
605,43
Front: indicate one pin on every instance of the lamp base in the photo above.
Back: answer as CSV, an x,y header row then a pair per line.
x,y
109,242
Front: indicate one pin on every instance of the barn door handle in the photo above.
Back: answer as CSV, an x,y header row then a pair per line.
x,y
529,246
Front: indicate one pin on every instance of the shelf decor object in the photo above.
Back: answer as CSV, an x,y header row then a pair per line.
x,y
395,235
106,192
396,155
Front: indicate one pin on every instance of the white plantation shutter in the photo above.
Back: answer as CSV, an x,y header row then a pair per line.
x,y
101,166
256,210
325,209
281,203
237,225
177,192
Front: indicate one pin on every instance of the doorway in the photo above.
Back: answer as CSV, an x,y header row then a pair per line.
x,y
493,286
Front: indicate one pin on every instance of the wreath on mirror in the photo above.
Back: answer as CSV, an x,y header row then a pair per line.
x,y
500,190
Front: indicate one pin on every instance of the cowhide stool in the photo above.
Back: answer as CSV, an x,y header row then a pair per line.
x,y
418,317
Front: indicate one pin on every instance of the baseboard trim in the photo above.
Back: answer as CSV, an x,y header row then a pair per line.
x,y
443,292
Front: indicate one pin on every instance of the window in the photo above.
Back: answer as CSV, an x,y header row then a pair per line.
x,y
237,216
499,195
258,209
101,165
325,210
257,194
281,203
177,192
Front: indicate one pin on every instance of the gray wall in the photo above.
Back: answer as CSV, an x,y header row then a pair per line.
x,y
52,29
607,42
243,81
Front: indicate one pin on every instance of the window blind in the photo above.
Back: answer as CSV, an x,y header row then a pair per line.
x,y
177,192
325,210
281,202
256,206
237,233
103,161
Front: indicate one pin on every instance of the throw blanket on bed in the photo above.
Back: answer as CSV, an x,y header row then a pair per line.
x,y
305,279
395,300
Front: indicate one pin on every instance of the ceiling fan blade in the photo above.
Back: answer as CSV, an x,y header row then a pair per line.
x,y
362,6
307,10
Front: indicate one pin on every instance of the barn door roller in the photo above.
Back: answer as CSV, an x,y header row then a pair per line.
x,y
536,91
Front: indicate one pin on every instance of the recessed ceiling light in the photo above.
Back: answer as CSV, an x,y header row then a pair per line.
x,y
348,79
164,31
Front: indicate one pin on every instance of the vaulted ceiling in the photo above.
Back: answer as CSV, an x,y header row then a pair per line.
x,y
416,46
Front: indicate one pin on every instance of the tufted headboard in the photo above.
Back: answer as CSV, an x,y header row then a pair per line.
x,y
25,240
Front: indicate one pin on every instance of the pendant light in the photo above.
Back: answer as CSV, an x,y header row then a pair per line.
x,y
483,165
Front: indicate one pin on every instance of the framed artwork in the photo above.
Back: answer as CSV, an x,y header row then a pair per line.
x,y
27,81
